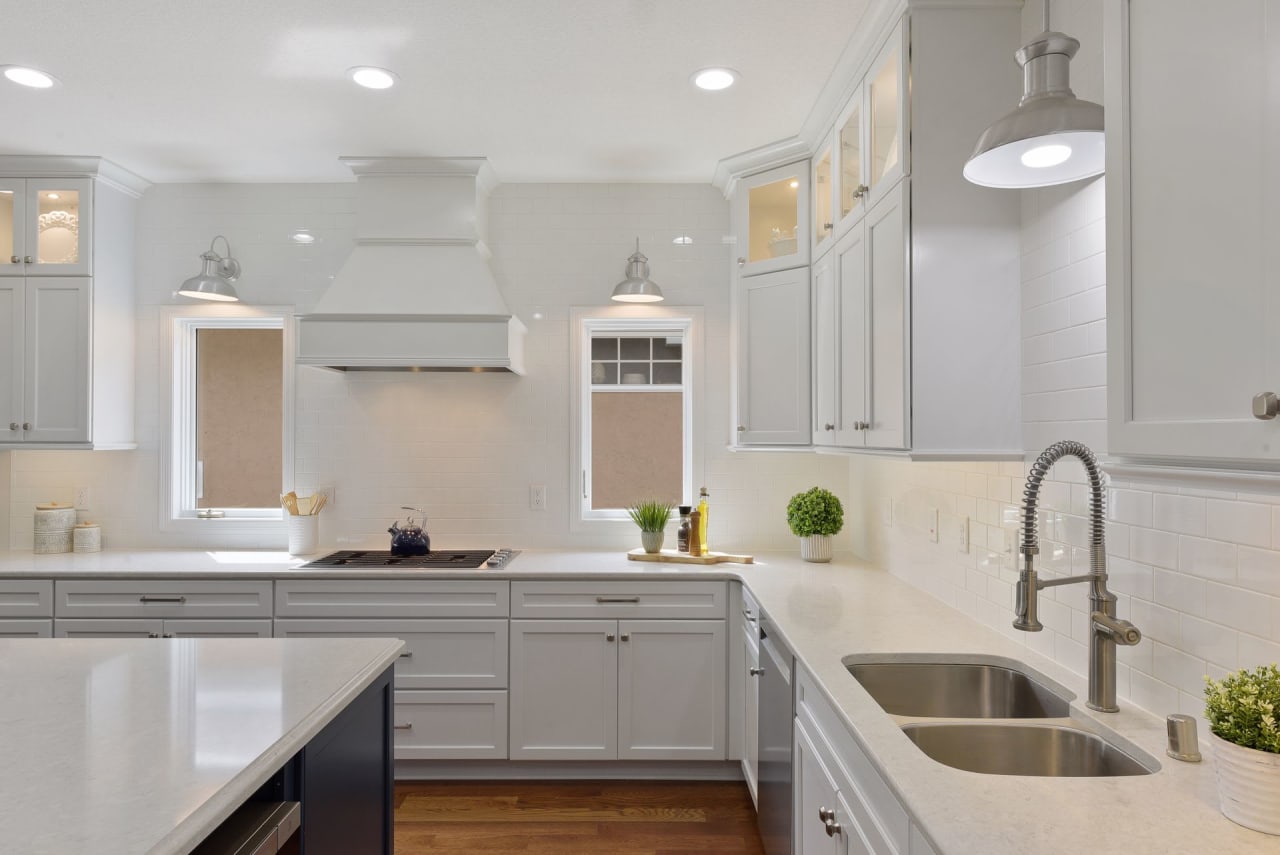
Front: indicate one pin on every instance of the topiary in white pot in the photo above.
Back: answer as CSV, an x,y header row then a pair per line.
x,y
814,516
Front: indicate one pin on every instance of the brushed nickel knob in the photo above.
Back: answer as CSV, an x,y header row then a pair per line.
x,y
406,726
626,636
755,672
608,636
13,425
833,828
861,191
742,262
741,428
30,260
826,814
1266,406
828,427
153,635
13,259
26,425
826,227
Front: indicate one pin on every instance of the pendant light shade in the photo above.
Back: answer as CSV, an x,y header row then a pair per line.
x,y
1052,137
214,280
637,287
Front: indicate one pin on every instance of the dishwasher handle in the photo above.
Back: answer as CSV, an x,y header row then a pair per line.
x,y
257,828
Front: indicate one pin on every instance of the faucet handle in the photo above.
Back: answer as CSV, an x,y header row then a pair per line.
x,y
1183,744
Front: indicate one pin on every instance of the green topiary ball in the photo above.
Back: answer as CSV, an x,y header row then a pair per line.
x,y
815,511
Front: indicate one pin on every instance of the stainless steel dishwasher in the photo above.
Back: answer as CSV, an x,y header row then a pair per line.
x,y
777,713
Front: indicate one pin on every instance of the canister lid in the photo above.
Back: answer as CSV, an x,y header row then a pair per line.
x,y
87,525
52,506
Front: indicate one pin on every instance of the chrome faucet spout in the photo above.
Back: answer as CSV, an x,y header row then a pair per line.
x,y
1106,630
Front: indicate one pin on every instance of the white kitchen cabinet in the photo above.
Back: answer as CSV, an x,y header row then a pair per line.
x,y
591,598
824,821
606,689
67,364
25,628
1193,291
771,358
826,352
26,598
46,226
450,725
162,598
392,598
770,215
750,709
160,628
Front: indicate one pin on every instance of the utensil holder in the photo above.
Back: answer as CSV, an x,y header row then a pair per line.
x,y
304,533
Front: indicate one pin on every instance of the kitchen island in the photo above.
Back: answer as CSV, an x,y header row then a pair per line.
x,y
146,746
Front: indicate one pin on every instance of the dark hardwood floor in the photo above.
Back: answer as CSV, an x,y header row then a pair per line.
x,y
575,818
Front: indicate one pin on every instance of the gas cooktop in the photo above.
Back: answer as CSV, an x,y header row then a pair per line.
x,y
443,559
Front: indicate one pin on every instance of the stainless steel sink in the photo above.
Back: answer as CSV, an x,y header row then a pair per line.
x,y
956,690
1045,750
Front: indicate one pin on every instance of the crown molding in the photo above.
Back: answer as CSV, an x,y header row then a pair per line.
x,y
740,165
64,166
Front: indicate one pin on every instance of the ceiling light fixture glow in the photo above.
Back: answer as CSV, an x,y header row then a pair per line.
x,y
682,240
32,77
54,196
1044,156
795,182
715,79
303,237
372,77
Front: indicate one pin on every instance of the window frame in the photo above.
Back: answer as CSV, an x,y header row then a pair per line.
x,y
178,327
623,320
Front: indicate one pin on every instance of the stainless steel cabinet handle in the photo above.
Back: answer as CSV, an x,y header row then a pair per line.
x,y
626,636
13,259
617,599
755,672
146,599
405,726
29,260
749,615
408,654
153,635
168,635
26,425
13,425
1266,406
608,636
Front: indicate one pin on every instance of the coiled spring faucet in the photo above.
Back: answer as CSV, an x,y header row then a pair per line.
x,y
1105,629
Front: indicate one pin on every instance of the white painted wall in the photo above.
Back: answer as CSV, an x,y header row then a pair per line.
x,y
1198,570
465,447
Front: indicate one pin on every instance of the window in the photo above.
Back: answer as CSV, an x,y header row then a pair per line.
x,y
230,425
634,409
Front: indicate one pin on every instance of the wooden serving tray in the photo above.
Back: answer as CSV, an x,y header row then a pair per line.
x,y
671,556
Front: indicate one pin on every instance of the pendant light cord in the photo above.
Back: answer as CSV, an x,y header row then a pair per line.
x,y
1046,16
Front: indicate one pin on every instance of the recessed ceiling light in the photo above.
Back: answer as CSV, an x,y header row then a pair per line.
x,y
303,237
372,78
24,76
715,79
682,240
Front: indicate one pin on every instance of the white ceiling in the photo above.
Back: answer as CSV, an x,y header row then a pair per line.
x,y
549,90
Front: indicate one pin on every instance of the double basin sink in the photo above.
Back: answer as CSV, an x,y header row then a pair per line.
x,y
990,718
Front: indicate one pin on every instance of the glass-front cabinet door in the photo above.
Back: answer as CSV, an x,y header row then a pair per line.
x,y
45,226
850,147
885,116
771,220
823,198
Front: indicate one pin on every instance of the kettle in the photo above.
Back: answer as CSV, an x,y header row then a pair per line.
x,y
411,539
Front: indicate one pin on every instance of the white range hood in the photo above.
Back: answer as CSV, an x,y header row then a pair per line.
x,y
416,293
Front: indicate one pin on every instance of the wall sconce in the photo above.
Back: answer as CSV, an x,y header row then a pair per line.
x,y
214,281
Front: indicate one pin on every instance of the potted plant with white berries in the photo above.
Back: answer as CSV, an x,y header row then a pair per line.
x,y
814,516
1242,709
652,518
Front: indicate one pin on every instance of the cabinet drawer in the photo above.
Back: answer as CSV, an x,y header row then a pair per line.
x,y
382,598
24,628
20,598
119,628
589,599
162,598
437,654
880,816
450,725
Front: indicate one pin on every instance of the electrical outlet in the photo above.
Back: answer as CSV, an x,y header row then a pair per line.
x,y
329,493
82,498
886,512
929,522
537,497
960,533
1010,546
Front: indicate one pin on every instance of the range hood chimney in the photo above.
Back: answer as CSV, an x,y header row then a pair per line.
x,y
416,293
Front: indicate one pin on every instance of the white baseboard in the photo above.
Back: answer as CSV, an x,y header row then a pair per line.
x,y
516,770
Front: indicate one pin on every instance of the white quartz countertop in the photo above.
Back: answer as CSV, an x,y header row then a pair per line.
x,y
827,612
123,747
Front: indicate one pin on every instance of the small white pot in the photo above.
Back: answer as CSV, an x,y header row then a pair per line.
x,y
652,541
1248,785
816,548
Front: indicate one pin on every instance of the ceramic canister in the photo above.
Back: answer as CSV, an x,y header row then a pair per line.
x,y
53,525
87,537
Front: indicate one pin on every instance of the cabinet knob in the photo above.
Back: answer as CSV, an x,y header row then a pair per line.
x,y
861,191
626,636
862,425
742,262
826,227
13,425
13,259
26,425
826,814
833,828
608,636
1266,406
755,672
742,428
153,635
828,427
168,635
29,260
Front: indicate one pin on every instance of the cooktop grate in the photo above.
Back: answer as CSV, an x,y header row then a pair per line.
x,y
382,558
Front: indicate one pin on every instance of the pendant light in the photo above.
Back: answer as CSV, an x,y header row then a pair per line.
x,y
214,281
1052,137
637,287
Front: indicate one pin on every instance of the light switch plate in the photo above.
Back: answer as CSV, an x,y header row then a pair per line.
x,y
330,495
82,498
537,497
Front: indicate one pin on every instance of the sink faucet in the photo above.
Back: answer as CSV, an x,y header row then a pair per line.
x,y
1105,629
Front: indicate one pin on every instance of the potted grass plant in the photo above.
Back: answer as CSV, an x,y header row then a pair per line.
x,y
814,516
652,518
1241,709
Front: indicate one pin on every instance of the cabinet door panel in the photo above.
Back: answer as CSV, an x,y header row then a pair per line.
x,y
59,226
23,628
751,712
771,220
12,356
564,690
773,359
671,690
1193,293
88,628
12,226
826,374
887,279
851,300
886,118
217,629
57,360
438,725
815,791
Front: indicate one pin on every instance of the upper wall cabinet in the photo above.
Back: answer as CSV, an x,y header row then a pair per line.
x,y
46,227
771,358
1193,297
66,302
770,212
867,150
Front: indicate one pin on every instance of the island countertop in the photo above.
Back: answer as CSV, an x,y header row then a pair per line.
x,y
132,746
